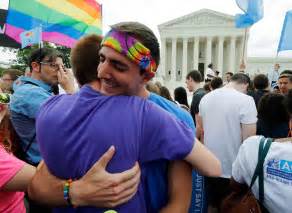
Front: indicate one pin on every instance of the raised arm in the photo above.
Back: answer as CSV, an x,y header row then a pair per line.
x,y
96,188
204,161
66,80
199,127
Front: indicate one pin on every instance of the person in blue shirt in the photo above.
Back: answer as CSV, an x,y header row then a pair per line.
x,y
31,92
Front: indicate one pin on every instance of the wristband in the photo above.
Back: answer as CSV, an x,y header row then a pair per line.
x,y
66,190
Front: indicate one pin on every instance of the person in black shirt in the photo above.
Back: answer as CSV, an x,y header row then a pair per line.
x,y
261,85
193,80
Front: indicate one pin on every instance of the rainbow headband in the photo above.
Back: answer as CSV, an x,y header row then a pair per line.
x,y
132,49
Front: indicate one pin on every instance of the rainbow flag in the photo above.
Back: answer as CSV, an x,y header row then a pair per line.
x,y
63,22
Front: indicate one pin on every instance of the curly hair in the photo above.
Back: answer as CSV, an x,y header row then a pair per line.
x,y
216,83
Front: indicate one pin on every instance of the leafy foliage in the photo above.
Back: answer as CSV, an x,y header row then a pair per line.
x,y
22,55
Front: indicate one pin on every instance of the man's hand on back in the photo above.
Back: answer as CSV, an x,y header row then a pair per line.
x,y
102,189
96,188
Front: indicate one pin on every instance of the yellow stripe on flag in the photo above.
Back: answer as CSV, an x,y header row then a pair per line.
x,y
67,8
86,7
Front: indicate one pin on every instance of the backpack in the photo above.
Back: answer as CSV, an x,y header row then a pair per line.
x,y
241,199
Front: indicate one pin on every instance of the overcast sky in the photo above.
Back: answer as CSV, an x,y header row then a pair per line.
x,y
264,35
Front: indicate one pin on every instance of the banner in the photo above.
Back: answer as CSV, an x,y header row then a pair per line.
x,y
30,37
63,21
285,42
253,12
5,41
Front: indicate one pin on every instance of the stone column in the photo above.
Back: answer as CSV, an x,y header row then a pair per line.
x,y
231,67
184,58
208,52
220,55
196,53
163,57
173,60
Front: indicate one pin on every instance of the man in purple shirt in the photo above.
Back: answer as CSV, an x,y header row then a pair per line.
x,y
86,93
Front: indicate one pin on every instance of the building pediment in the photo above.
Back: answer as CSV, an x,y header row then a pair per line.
x,y
201,18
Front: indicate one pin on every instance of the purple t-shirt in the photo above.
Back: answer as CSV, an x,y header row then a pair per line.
x,y
73,132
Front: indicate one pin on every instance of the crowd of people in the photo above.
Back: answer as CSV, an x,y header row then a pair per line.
x,y
123,142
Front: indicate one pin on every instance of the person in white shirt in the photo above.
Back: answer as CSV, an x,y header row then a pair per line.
x,y
277,169
210,73
228,76
228,117
273,75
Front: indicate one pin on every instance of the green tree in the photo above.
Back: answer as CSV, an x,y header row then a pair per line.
x,y
1,70
22,55
66,53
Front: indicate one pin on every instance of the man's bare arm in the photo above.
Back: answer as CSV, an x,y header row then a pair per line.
x,y
248,130
179,187
96,188
199,127
204,161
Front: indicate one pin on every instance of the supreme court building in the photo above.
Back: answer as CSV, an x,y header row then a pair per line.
x,y
203,37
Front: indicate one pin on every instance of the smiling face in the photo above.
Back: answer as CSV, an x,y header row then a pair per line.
x,y
118,75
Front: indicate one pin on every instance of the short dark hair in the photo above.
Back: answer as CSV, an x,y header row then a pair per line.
x,y
195,75
144,34
39,54
216,83
289,72
229,73
84,58
180,95
210,65
271,109
240,78
285,75
260,82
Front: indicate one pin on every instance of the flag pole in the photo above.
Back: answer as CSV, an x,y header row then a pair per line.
x,y
41,40
276,58
243,49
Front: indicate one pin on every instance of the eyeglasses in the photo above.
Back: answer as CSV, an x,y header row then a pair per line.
x,y
7,79
53,65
